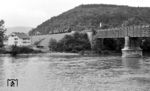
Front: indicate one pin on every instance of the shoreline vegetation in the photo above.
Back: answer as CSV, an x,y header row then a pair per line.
x,y
78,43
15,50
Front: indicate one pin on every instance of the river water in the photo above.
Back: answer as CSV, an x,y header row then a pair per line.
x,y
75,73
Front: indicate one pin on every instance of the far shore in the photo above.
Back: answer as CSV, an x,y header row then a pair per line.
x,y
65,54
44,54
58,54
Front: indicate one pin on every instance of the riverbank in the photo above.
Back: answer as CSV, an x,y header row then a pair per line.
x,y
54,54
64,54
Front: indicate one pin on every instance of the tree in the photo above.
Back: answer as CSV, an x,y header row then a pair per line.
x,y
52,45
134,21
2,31
70,43
75,43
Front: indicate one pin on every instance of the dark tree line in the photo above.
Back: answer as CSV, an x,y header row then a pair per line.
x,y
70,43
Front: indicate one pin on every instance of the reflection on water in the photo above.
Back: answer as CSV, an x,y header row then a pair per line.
x,y
63,73
133,63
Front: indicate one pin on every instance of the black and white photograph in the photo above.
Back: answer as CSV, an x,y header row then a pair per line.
x,y
74,45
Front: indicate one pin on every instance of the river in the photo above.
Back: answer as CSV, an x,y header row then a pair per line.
x,y
75,73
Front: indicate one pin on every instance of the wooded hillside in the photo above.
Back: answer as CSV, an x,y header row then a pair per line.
x,y
90,16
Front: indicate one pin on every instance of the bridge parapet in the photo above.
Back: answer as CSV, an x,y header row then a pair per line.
x,y
121,32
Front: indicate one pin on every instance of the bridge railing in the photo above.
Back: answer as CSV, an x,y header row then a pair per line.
x,y
131,31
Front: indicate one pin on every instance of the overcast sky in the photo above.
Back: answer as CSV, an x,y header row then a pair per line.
x,y
34,12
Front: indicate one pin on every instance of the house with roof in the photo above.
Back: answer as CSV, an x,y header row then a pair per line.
x,y
19,39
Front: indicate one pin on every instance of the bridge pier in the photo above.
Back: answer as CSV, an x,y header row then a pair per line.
x,y
131,47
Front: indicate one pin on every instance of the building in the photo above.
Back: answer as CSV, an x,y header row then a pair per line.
x,y
19,39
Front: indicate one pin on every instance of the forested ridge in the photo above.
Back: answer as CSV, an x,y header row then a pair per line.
x,y
89,16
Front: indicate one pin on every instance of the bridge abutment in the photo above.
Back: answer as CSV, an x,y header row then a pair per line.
x,y
90,37
131,47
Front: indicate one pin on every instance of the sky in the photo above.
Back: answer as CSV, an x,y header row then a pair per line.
x,y
33,12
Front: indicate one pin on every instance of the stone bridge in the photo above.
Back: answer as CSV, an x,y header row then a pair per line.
x,y
131,35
